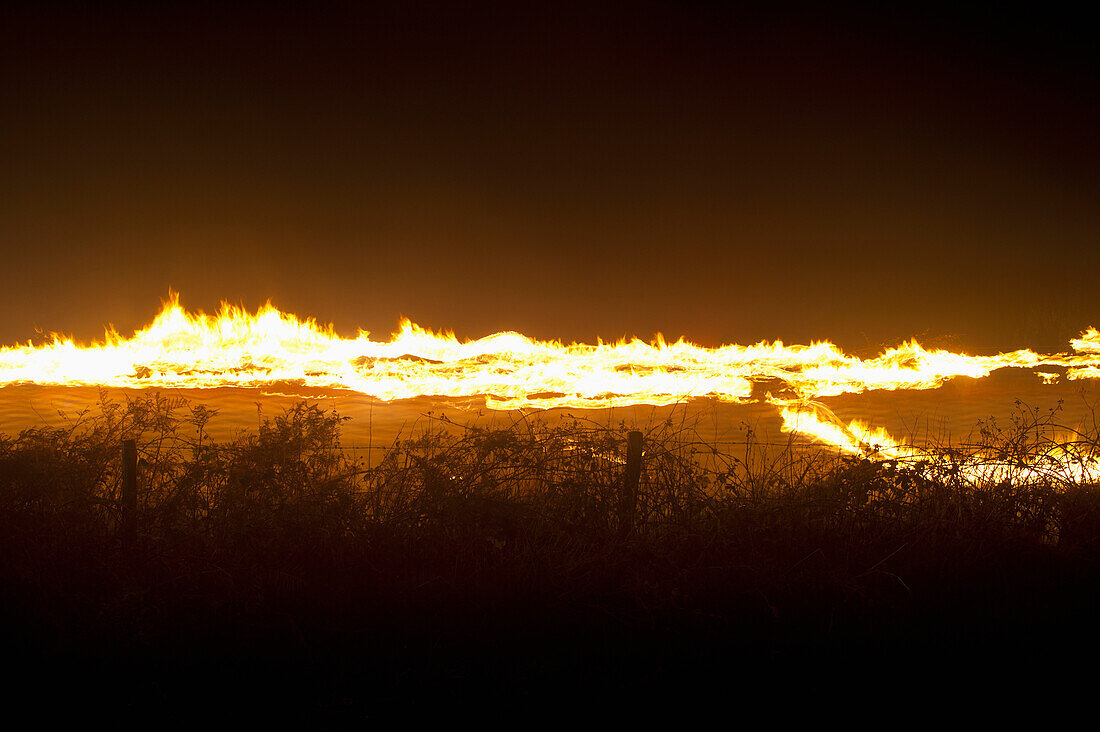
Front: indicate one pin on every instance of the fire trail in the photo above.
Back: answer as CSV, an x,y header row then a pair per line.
x,y
237,348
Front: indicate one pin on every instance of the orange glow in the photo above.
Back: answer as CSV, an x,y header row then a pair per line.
x,y
1059,462
238,348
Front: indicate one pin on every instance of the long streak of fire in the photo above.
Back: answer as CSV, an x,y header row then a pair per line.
x,y
242,349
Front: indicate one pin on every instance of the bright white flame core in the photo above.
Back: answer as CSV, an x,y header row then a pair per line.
x,y
240,349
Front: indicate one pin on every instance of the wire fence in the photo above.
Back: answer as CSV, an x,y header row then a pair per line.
x,y
295,467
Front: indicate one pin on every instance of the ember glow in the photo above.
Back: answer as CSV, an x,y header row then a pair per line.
x,y
236,348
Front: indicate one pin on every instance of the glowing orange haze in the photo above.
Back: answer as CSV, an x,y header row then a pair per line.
x,y
238,348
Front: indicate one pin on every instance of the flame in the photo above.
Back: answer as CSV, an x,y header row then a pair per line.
x,y
1063,461
1089,342
237,348
815,420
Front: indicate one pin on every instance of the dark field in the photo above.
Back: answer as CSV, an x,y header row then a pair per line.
x,y
505,568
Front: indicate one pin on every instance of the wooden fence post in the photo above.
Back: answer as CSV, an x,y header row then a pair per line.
x,y
629,499
129,491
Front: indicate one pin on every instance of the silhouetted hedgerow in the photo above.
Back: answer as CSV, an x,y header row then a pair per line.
x,y
467,544
292,477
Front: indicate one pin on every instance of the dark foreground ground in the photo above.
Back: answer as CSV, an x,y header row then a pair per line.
x,y
272,577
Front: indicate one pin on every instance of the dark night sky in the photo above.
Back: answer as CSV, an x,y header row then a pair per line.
x,y
862,175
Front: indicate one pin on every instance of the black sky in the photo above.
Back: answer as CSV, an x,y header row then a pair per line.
x,y
724,173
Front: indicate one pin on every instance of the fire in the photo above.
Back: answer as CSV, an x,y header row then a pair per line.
x,y
854,438
1060,461
237,348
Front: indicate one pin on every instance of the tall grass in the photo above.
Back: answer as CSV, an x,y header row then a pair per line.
x,y
292,476
465,543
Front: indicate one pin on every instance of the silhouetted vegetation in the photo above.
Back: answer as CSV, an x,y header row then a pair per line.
x,y
465,559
